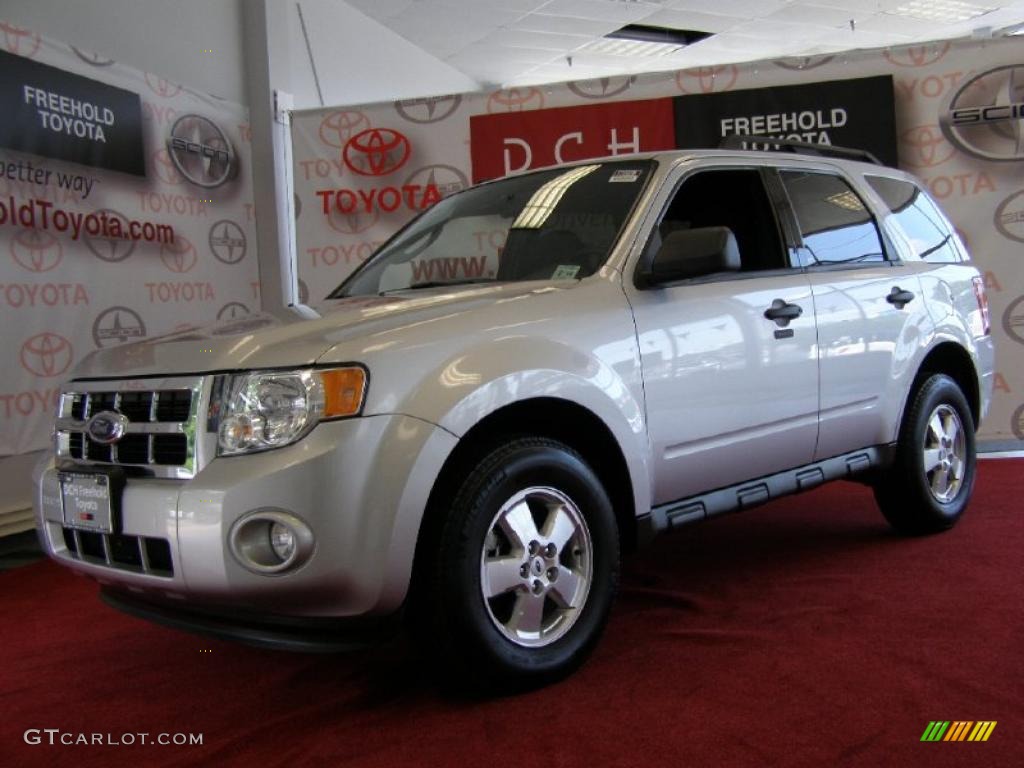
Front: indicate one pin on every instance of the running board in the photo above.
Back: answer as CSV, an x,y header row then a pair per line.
x,y
755,492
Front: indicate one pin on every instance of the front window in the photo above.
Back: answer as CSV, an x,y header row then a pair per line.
x,y
558,224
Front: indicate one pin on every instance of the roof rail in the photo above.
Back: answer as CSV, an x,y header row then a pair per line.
x,y
739,141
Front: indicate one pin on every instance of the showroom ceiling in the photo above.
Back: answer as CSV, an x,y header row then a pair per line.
x,y
513,42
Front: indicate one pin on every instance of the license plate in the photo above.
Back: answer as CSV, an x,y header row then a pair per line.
x,y
86,501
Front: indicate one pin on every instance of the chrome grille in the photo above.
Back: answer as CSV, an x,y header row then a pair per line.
x,y
160,437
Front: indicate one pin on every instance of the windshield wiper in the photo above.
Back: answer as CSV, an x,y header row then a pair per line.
x,y
439,284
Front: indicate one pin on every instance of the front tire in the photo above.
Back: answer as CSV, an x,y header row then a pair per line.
x,y
526,568
930,483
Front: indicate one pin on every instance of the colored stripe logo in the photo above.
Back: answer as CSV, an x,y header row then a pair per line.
x,y
958,730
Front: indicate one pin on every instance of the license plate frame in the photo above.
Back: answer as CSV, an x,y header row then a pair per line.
x,y
89,500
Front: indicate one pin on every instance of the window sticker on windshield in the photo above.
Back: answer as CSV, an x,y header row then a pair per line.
x,y
565,271
627,176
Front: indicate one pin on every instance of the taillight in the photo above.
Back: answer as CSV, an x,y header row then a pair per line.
x,y
979,294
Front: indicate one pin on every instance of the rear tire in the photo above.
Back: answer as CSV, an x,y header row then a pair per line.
x,y
525,570
929,485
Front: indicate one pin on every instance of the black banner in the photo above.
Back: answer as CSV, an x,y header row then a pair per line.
x,y
859,114
53,113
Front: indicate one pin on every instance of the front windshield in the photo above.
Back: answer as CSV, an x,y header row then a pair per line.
x,y
557,224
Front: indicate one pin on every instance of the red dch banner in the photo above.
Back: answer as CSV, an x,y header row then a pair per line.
x,y
515,141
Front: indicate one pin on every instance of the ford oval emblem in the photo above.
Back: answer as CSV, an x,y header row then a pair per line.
x,y
107,427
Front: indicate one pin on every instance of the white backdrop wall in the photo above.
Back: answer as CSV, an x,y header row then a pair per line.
x,y
62,297
984,198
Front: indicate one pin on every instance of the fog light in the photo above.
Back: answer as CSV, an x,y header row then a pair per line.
x,y
270,541
282,541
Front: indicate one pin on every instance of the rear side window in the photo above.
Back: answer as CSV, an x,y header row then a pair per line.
x,y
918,219
835,225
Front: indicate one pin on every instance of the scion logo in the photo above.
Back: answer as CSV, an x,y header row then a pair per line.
x,y
917,55
338,127
985,117
23,42
376,152
924,146
179,256
227,241
201,152
1013,320
353,222
515,100
1017,422
46,354
430,110
110,249
446,178
117,325
36,251
93,59
802,63
164,168
165,89
232,311
707,79
1009,218
602,87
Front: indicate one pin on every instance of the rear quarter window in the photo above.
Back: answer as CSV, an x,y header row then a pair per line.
x,y
923,226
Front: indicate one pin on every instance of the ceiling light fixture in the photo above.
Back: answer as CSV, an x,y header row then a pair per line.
x,y
643,41
945,11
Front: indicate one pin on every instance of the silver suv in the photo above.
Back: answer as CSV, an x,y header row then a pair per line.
x,y
527,380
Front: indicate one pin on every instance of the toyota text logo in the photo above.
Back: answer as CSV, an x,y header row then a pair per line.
x,y
985,117
227,241
112,249
602,87
179,256
376,152
107,427
1009,218
36,251
338,127
430,110
707,79
201,152
117,325
925,146
46,354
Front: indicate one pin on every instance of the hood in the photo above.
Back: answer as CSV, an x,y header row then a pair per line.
x,y
283,339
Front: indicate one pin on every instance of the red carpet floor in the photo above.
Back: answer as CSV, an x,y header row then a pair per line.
x,y
803,633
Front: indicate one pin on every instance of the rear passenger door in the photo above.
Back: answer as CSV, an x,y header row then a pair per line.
x,y
868,306
731,394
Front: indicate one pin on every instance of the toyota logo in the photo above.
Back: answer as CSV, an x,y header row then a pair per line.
x,y
1009,217
429,110
179,256
36,251
162,88
338,127
917,55
117,325
515,100
376,152
201,152
602,87
926,146
707,79
107,427
227,241
23,42
46,354
985,117
111,249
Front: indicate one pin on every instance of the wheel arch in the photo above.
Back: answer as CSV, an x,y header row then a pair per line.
x,y
953,360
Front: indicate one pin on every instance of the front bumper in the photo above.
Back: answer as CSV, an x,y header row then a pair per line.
x,y
360,484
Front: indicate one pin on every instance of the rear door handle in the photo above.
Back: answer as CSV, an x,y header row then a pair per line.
x,y
782,312
899,298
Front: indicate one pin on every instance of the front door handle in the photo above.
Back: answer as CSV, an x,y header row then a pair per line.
x,y
782,312
899,298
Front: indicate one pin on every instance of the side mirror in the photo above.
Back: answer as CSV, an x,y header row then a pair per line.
x,y
689,253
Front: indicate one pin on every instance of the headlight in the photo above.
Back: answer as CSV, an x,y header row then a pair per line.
x,y
268,409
